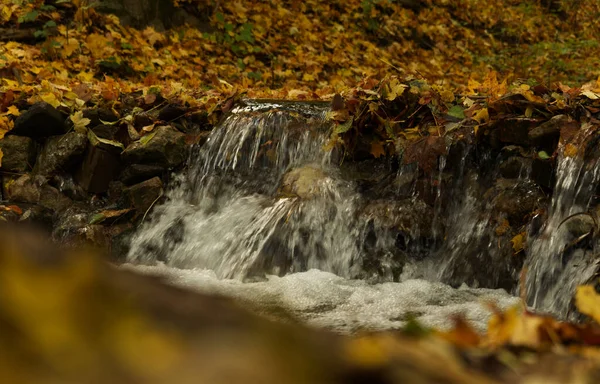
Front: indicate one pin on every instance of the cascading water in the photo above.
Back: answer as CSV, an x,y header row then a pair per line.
x,y
556,265
239,213
263,197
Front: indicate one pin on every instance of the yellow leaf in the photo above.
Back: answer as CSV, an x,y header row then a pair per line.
x,y
518,242
377,149
308,77
591,95
12,110
1,155
79,121
570,150
481,116
587,301
6,13
394,89
51,99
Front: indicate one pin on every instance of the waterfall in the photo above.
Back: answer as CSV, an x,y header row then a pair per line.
x,y
261,196
556,264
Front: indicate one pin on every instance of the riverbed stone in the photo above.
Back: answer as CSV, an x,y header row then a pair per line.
x,y
100,165
143,195
136,173
515,198
549,129
305,182
164,146
41,120
515,167
19,153
36,190
171,112
61,153
100,116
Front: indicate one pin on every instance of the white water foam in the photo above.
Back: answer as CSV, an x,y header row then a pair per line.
x,y
324,300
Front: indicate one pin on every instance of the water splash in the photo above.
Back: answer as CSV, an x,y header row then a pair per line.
x,y
555,266
233,216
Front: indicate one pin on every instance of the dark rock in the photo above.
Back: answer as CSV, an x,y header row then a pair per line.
x,y
136,173
142,119
105,131
412,217
99,115
67,185
60,153
550,128
200,118
120,239
161,14
35,190
164,146
72,229
542,172
41,120
19,153
172,112
579,225
515,167
100,165
516,199
514,130
145,194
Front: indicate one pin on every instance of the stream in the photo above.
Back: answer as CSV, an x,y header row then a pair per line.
x,y
266,214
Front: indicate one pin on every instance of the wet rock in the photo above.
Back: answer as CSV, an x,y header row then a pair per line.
x,y
516,199
136,173
542,172
67,185
35,190
172,112
100,165
514,130
413,217
165,146
549,129
60,153
143,195
515,167
41,120
73,229
19,153
142,119
99,115
105,131
120,241
305,182
581,224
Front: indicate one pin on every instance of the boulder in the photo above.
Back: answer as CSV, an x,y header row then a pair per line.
x,y
549,129
143,195
305,182
136,173
172,112
516,199
165,146
413,217
41,120
106,131
35,190
98,116
100,165
60,153
18,153
515,167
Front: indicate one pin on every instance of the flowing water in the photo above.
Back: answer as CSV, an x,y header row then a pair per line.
x,y
264,214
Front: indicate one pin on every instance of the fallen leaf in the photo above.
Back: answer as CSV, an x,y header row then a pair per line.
x,y
587,301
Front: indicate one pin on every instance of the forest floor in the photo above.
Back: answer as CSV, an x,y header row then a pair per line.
x,y
399,73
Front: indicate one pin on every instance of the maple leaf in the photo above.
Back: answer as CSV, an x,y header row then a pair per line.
x,y
377,149
587,301
79,122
